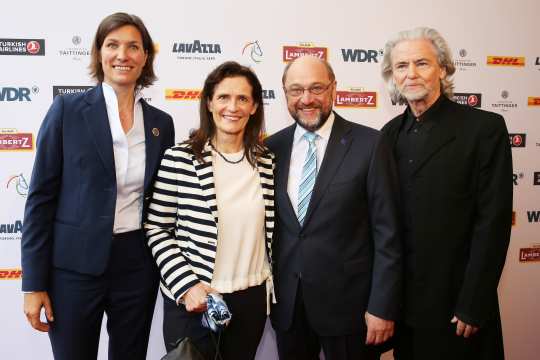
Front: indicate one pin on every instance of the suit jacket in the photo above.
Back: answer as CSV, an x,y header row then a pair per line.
x,y
461,217
182,219
69,213
347,253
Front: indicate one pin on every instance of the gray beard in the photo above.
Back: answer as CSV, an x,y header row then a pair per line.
x,y
314,126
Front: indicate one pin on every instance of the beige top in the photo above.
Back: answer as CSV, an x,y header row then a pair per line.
x,y
241,260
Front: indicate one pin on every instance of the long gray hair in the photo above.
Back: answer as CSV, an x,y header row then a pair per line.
x,y
444,56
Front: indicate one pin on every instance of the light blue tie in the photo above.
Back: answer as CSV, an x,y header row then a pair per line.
x,y
309,174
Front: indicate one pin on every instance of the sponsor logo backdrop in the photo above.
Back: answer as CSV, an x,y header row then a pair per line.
x,y
45,53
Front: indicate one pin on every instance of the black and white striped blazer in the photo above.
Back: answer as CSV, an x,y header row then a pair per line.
x,y
181,225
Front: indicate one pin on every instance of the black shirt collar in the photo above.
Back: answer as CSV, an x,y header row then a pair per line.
x,y
427,120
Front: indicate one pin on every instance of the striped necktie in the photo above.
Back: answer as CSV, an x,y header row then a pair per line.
x,y
309,174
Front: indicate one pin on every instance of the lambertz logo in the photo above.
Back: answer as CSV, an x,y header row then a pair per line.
x,y
471,99
11,231
505,104
516,61
196,50
22,47
67,90
531,254
10,94
356,98
11,140
75,52
517,140
533,101
533,216
464,63
291,52
253,50
536,178
10,274
517,176
18,183
361,55
182,94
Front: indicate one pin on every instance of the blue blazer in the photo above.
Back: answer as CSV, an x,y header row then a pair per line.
x,y
69,213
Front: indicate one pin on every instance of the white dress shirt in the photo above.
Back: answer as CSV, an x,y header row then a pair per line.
x,y
298,156
129,161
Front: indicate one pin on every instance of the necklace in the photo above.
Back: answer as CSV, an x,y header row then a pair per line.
x,y
227,160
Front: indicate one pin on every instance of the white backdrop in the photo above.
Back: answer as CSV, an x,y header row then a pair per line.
x,y
255,33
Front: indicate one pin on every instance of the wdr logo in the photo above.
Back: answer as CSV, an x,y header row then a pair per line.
x,y
533,216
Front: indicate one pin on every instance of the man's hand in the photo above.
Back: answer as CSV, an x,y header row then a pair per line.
x,y
33,302
195,297
463,328
378,330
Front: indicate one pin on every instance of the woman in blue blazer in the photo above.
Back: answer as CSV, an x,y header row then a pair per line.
x,y
83,247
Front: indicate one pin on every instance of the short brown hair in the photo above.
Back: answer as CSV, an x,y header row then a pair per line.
x,y
111,23
252,135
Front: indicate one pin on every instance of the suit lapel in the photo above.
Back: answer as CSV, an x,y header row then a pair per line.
x,y
205,173
442,133
97,122
153,136
337,148
283,159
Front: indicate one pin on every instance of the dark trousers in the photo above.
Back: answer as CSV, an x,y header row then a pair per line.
x,y
301,341
444,344
240,338
126,292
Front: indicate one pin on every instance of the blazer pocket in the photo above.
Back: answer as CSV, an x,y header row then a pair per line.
x,y
356,266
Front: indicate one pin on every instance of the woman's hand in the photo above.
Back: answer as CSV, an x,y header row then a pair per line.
x,y
195,297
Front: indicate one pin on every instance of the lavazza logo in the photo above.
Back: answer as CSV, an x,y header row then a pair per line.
x,y
471,99
505,104
68,90
361,55
196,50
268,95
22,47
463,62
356,98
11,231
291,52
76,51
14,94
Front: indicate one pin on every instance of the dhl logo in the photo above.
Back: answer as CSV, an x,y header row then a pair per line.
x,y
506,60
182,94
292,52
10,274
533,101
356,99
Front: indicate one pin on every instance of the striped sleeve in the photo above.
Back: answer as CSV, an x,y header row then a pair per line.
x,y
176,273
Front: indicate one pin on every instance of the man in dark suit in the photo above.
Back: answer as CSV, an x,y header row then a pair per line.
x,y
337,254
455,170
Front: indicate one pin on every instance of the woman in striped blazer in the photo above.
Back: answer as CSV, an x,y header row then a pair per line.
x,y
211,218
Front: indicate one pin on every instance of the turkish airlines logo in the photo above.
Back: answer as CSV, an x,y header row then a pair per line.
x,y
182,94
33,47
517,140
356,99
518,61
22,46
473,100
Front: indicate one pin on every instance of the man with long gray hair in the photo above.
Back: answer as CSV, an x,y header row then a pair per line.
x,y
455,169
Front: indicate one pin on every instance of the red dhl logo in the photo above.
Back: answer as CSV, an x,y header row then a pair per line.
x,y
292,52
506,60
10,274
182,94
533,101
529,254
358,99
16,142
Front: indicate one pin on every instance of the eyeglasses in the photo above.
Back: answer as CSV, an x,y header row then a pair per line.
x,y
317,89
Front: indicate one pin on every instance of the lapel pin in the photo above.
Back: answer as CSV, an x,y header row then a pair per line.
x,y
155,131
343,141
